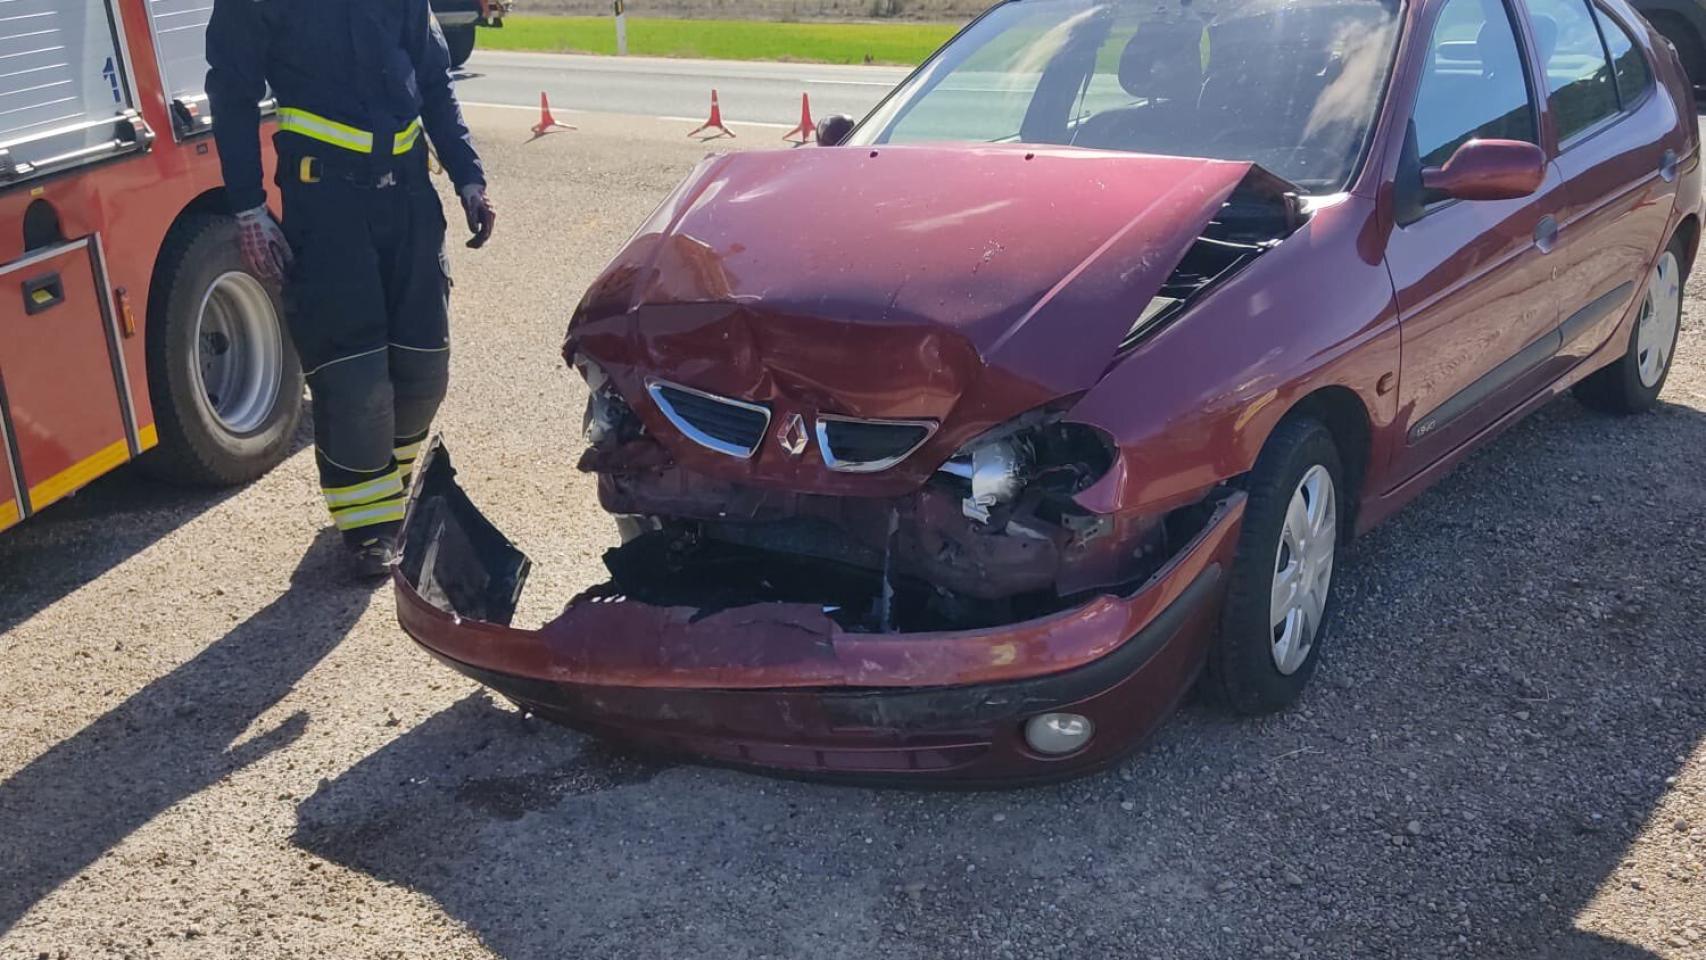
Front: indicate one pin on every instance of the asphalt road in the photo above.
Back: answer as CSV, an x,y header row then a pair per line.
x,y
211,747
759,93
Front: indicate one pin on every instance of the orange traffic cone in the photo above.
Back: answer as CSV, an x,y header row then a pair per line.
x,y
715,123
807,129
547,123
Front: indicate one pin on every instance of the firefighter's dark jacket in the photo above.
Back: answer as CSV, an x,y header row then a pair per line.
x,y
374,65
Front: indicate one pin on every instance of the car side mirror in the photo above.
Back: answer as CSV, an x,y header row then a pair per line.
x,y
1488,170
832,131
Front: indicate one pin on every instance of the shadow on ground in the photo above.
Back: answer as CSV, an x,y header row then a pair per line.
x,y
1516,672
170,740
77,540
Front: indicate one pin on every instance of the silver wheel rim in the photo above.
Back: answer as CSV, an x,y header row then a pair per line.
x,y
239,352
1660,318
1303,569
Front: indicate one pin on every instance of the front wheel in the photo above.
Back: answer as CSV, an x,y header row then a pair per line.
x,y
1632,384
225,380
460,40
1279,599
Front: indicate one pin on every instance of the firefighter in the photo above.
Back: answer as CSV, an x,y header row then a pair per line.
x,y
361,253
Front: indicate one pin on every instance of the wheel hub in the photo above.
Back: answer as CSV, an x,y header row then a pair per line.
x,y
1303,569
241,353
1660,317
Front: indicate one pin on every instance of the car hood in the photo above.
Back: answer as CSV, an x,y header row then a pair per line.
x,y
959,284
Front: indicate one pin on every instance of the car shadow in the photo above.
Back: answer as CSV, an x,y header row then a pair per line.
x,y
1515,674
173,738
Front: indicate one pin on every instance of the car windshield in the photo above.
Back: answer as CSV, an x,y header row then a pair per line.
x,y
1290,84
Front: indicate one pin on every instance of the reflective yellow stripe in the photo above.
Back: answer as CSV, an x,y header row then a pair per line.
x,y
410,452
354,518
148,437
316,127
9,514
405,141
75,476
390,485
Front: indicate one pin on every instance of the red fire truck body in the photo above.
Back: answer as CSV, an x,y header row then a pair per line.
x,y
126,321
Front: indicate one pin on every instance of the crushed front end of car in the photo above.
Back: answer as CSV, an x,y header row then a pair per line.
x,y
758,657
866,530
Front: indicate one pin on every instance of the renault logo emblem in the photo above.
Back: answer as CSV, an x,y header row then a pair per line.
x,y
792,435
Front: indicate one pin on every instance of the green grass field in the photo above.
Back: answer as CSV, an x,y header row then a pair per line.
x,y
898,43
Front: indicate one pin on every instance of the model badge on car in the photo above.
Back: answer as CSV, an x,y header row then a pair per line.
x,y
792,436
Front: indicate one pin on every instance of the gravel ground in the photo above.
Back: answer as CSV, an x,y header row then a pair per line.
x,y
213,748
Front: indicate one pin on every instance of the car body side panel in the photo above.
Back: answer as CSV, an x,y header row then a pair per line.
x,y
1475,294
1620,203
1194,405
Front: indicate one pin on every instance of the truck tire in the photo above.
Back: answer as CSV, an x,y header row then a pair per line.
x,y
461,43
225,379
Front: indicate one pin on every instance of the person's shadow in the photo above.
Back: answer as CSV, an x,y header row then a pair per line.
x,y
171,739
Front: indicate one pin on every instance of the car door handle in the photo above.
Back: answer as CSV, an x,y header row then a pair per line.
x,y
1546,234
1667,166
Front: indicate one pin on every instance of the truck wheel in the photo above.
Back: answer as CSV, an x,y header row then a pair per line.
x,y
226,383
461,43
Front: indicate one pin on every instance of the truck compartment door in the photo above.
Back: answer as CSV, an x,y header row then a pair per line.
x,y
65,92
64,400
180,44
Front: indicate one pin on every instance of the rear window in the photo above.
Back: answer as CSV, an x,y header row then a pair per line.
x,y
1628,66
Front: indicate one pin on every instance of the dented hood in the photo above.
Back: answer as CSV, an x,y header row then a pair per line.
x,y
962,284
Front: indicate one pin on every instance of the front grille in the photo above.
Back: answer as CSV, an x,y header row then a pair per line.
x,y
866,446
734,427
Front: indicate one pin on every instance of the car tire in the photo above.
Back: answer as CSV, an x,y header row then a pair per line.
x,y
460,40
1261,659
225,379
1632,384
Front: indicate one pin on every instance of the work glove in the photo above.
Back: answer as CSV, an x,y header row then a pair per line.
x,y
481,216
265,251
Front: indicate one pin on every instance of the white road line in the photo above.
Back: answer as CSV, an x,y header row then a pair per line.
x,y
738,123
513,106
557,109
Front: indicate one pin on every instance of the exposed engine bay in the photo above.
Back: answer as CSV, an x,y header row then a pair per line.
x,y
993,536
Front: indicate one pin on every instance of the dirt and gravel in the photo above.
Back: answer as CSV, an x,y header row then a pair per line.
x,y
212,747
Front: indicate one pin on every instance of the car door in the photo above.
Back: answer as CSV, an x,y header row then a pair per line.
x,y
1619,148
1472,277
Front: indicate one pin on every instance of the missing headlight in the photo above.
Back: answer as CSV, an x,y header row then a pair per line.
x,y
1053,458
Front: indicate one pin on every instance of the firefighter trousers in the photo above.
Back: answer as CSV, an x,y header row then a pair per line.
x,y
367,303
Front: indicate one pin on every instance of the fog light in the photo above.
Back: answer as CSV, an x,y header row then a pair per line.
x,y
1058,733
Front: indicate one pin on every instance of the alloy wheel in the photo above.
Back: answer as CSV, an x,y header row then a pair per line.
x,y
1660,317
1303,569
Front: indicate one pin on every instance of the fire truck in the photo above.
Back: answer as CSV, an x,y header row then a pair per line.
x,y
129,328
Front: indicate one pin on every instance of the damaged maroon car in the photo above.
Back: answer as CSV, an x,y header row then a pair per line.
x,y
955,450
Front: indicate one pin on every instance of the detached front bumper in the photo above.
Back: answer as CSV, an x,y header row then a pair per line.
x,y
783,687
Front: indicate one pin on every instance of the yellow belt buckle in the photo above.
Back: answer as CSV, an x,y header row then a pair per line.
x,y
305,171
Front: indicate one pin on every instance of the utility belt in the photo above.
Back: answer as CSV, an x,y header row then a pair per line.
x,y
313,148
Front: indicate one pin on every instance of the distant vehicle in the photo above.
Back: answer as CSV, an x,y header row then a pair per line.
x,y
956,449
458,18
1683,23
127,319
